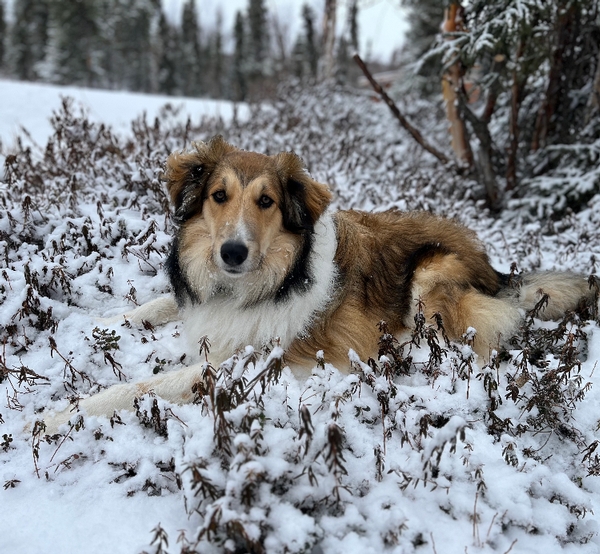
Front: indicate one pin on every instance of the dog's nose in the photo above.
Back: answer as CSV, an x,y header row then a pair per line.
x,y
234,253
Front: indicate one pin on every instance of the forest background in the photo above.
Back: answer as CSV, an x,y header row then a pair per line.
x,y
519,81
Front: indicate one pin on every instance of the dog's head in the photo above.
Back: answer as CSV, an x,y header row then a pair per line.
x,y
243,210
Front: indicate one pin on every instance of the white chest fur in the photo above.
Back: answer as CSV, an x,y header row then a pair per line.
x,y
229,324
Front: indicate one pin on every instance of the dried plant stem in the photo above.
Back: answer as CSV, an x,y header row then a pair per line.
x,y
475,522
433,543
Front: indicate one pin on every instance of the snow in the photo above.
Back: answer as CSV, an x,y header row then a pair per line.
x,y
418,467
30,105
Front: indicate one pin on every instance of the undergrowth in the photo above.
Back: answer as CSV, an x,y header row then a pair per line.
x,y
262,462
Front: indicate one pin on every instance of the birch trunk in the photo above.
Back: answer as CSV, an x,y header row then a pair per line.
x,y
451,83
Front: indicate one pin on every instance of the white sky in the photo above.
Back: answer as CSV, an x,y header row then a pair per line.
x,y
382,23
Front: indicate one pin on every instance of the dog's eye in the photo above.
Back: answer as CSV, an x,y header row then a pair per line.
x,y
265,202
220,196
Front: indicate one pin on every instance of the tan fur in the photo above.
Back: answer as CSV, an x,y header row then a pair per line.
x,y
373,251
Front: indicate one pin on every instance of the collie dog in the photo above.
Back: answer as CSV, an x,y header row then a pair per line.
x,y
257,256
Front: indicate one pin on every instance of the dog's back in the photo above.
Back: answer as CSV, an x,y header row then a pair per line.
x,y
394,264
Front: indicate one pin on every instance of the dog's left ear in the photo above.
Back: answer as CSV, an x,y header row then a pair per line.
x,y
304,199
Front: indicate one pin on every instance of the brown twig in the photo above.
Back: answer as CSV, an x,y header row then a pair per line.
x,y
415,133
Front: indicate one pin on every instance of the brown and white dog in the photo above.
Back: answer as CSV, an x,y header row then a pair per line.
x,y
258,256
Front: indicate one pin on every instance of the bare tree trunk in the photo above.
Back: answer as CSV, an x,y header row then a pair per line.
x,y
594,100
281,32
452,83
566,25
515,106
490,104
328,61
484,151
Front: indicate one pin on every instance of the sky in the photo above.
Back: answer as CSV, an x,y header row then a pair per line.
x,y
382,23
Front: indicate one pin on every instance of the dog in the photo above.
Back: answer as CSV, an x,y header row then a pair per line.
x,y
258,255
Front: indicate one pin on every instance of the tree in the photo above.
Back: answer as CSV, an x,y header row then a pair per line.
x,y
167,56
29,37
424,18
258,39
217,58
239,58
522,72
452,86
2,33
280,30
126,30
192,65
343,60
353,24
75,51
311,50
346,70
305,53
328,60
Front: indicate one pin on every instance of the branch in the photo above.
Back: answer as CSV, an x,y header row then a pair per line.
x,y
403,121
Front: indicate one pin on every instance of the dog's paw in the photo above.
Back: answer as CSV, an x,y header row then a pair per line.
x,y
54,423
156,312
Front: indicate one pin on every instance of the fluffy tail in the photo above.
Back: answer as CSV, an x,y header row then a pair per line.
x,y
566,291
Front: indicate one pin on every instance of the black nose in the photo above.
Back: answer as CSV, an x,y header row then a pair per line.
x,y
234,253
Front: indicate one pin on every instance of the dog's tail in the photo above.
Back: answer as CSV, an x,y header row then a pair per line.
x,y
564,291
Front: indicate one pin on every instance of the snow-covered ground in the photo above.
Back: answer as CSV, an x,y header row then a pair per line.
x,y
450,457
29,106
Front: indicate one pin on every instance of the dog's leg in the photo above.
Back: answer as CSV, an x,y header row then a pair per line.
x,y
439,285
156,312
495,320
175,387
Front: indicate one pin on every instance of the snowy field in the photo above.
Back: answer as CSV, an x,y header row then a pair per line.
x,y
29,106
442,456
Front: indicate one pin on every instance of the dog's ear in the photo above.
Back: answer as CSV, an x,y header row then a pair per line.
x,y
304,199
187,175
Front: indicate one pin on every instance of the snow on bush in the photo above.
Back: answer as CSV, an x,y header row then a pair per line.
x,y
423,450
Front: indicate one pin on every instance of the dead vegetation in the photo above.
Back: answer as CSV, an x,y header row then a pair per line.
x,y
85,224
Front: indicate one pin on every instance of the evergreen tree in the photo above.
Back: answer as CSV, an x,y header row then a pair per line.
x,y
191,52
424,18
530,68
310,40
168,56
29,37
126,31
239,58
75,50
258,38
215,54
